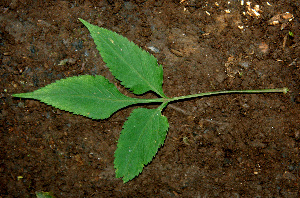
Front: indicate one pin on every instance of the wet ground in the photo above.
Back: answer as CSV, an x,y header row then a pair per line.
x,y
220,146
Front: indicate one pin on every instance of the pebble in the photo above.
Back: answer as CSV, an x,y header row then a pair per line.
x,y
153,49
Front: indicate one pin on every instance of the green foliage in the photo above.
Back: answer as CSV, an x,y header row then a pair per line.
x,y
142,135
95,97
135,68
90,96
44,194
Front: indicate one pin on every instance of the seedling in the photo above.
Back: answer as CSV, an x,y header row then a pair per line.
x,y
95,97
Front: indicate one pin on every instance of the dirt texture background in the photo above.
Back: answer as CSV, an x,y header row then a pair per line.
x,y
221,146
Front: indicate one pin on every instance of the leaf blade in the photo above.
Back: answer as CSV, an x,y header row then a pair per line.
x,y
91,96
143,134
135,68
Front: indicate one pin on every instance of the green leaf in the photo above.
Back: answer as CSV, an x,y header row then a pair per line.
x,y
143,134
44,194
91,96
135,68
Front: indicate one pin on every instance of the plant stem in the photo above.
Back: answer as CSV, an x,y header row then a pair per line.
x,y
280,90
163,105
167,100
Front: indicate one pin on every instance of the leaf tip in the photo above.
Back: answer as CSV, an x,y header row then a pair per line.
x,y
21,95
85,23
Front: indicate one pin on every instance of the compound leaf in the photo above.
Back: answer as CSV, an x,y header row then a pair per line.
x,y
135,68
143,134
91,96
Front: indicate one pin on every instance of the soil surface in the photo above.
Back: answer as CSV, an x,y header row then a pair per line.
x,y
241,145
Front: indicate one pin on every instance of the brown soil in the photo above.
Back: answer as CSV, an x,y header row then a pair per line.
x,y
221,146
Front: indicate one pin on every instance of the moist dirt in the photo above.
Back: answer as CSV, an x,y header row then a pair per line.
x,y
241,145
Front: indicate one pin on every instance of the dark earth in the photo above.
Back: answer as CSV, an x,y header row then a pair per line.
x,y
238,145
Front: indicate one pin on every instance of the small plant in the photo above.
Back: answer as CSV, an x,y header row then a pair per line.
x,y
95,97
44,194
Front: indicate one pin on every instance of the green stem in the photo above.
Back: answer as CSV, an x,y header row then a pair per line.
x,y
280,90
163,105
167,100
